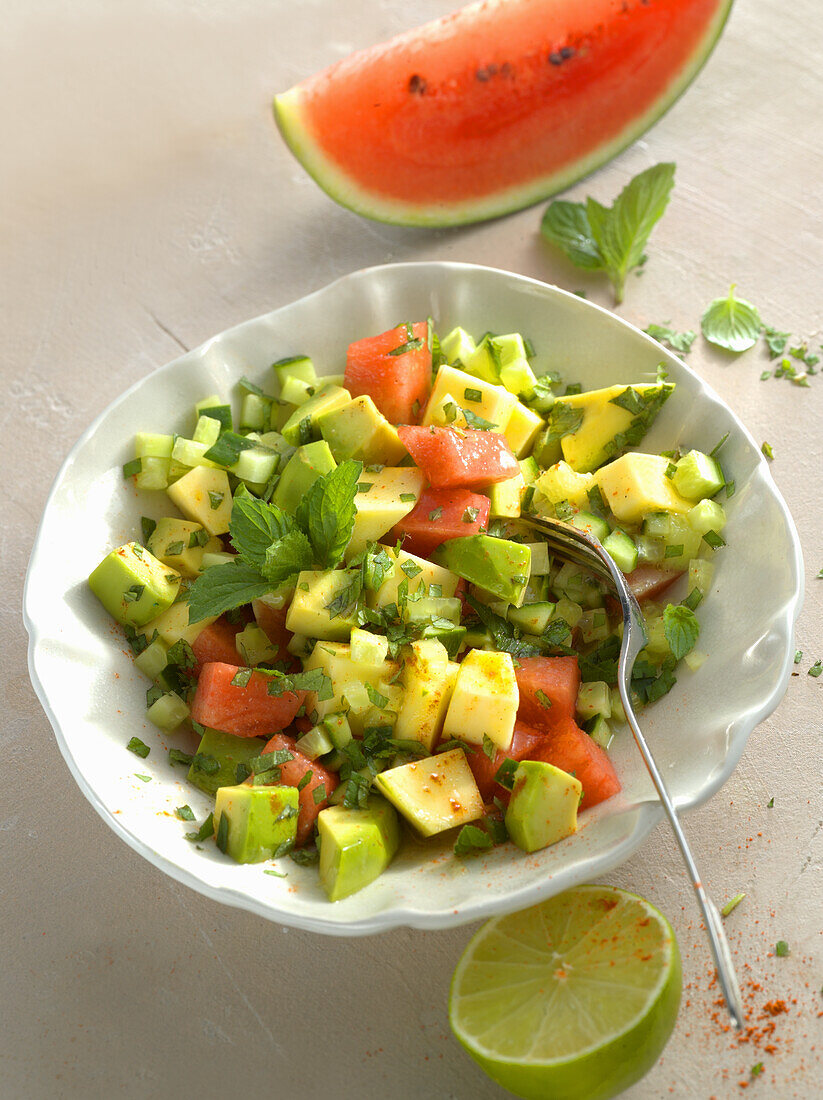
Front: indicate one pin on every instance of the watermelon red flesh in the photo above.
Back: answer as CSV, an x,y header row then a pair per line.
x,y
398,384
469,458
495,106
244,711
570,748
525,740
216,642
558,678
648,581
290,775
272,621
452,519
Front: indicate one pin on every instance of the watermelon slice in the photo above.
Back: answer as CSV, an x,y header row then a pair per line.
x,y
496,106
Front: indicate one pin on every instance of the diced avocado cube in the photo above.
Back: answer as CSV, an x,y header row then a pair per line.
x,y
505,497
254,647
360,431
611,418
180,543
487,400
697,476
484,700
498,565
174,624
306,465
543,805
428,679
636,484
347,677
356,845
301,425
621,549
522,430
457,346
133,586
255,822
417,573
225,751
204,495
393,493
561,483
434,794
313,611
431,608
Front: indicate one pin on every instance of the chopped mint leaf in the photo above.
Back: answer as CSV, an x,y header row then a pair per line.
x,y
148,527
505,773
205,763
222,837
816,669
756,1069
563,420
731,323
411,568
326,513
764,375
731,904
228,448
133,467
315,679
798,656
775,341
408,498
365,486
410,345
470,515
319,794
543,698
185,813
174,549
138,747
677,341
819,574
376,698
224,587
276,874
651,682
177,756
713,539
770,803
305,779
241,678
181,655
478,422
471,839
215,500
205,830
198,538
781,949
436,513
681,629
489,747
673,551
718,447
767,450
142,778
472,394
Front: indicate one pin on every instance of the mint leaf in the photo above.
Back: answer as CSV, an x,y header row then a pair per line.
x,y
622,230
224,587
286,556
731,323
775,341
472,839
681,628
566,224
254,526
677,341
563,420
326,513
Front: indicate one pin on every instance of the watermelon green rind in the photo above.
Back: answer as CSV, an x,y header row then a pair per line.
x,y
293,124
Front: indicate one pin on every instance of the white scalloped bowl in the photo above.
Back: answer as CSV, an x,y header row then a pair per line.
x,y
95,698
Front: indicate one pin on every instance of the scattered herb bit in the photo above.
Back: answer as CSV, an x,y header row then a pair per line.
x,y
767,450
770,803
677,341
305,779
489,747
781,949
713,539
819,574
148,527
611,239
205,830
133,594
138,747
319,794
276,874
203,762
472,394
757,1069
222,837
775,341
143,778
816,669
228,448
436,513
241,678
478,422
673,551
505,773
542,698
798,656
185,813
408,498
731,904
365,486
765,375
133,467
731,323
470,515
471,839
174,549
681,629
411,568
177,756
718,447
304,857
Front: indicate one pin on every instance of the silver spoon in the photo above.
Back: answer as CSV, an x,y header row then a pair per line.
x,y
585,550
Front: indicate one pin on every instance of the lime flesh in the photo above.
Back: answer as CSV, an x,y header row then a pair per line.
x,y
573,999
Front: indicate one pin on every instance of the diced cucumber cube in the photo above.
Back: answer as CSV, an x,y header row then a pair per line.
x,y
622,550
152,660
707,516
698,475
695,659
168,712
206,431
591,524
532,618
594,698
154,474
296,366
338,729
594,625
649,550
577,585
314,743
568,611
701,574
601,732
300,645
296,390
356,697
458,346
518,378
255,412
431,608
254,646
190,453
368,648
148,445
657,524
540,560
618,712
657,642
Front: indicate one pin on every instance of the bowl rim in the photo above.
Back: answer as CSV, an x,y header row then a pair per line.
x,y
647,813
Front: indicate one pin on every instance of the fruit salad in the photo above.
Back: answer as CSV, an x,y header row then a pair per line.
x,y
350,631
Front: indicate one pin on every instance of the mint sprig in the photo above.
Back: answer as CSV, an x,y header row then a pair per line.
x,y
611,238
273,546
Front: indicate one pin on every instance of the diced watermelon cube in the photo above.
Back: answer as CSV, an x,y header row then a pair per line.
x,y
552,679
469,458
216,643
570,748
398,384
440,515
290,775
525,740
247,711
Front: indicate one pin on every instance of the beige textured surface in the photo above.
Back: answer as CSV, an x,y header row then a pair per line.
x,y
147,204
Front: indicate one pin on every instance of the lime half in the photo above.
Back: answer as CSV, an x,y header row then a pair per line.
x,y
573,999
